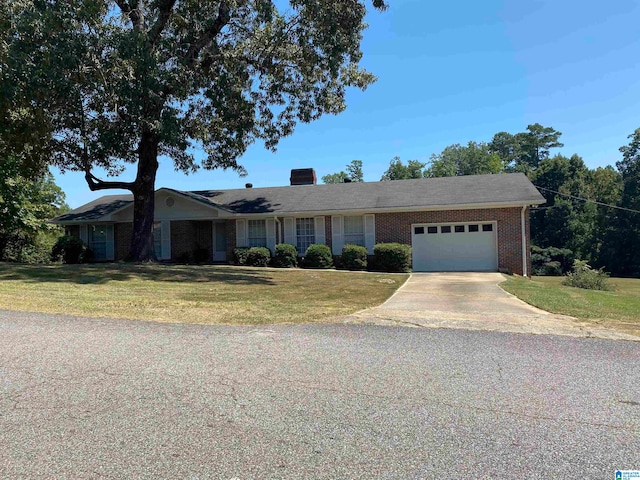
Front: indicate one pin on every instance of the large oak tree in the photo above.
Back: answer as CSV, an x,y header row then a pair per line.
x,y
112,83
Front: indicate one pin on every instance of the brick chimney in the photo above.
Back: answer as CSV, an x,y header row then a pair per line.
x,y
303,176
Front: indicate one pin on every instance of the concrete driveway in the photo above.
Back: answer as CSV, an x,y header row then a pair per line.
x,y
473,301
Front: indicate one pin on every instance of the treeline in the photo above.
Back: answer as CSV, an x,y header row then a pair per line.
x,y
28,199
592,213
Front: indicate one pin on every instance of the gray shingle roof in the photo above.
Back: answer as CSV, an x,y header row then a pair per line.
x,y
96,209
445,192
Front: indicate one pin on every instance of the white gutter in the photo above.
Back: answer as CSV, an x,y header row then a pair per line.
x,y
524,242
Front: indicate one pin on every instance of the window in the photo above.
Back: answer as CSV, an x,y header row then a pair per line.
x,y
432,229
157,239
305,234
487,227
419,230
445,229
459,228
98,240
256,233
473,228
354,230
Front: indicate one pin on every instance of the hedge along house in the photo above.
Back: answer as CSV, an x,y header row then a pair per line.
x,y
467,223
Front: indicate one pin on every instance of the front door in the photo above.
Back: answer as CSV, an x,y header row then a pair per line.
x,y
219,241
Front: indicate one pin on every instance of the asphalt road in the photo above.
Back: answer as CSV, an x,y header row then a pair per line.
x,y
85,398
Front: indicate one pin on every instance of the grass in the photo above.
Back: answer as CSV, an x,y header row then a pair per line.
x,y
619,308
192,294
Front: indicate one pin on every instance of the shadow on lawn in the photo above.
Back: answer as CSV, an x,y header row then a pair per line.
x,y
98,274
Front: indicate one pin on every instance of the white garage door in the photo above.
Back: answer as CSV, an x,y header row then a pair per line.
x,y
454,247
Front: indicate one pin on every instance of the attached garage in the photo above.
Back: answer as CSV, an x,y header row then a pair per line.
x,y
455,247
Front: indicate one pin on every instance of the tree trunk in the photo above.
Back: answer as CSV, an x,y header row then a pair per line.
x,y
144,200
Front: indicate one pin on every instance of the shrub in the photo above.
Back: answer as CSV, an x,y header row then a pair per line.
x,y
70,250
549,269
583,276
392,257
551,260
258,257
185,258
240,255
286,256
318,256
354,257
201,254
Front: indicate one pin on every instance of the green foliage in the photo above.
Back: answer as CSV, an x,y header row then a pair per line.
x,y
353,173
26,205
620,252
472,159
354,257
258,257
583,276
69,250
318,256
335,177
30,249
551,261
399,171
240,255
201,254
286,256
112,83
524,151
392,257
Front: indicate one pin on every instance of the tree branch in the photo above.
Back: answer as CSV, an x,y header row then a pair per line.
x,y
224,16
165,7
96,184
132,11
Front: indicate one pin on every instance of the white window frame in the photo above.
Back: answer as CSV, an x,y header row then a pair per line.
x,y
306,238
107,242
349,237
256,233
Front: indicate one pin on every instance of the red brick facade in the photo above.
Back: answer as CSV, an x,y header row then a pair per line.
x,y
396,227
189,235
122,233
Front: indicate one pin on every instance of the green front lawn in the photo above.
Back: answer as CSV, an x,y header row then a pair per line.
x,y
619,309
192,294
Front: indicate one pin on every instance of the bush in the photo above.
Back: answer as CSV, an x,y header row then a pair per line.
x,y
392,257
354,257
286,256
258,257
70,250
549,269
201,254
240,255
583,276
551,260
318,256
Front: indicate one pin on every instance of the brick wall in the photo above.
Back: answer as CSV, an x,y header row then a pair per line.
x,y
328,230
189,235
231,239
122,233
390,227
396,227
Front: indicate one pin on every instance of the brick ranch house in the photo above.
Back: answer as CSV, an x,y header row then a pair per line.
x,y
467,223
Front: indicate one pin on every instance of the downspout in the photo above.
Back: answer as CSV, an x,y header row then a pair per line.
x,y
524,242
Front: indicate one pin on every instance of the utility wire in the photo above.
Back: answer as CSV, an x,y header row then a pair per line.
x,y
586,200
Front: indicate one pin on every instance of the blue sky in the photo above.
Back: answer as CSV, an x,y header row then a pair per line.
x,y
451,72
